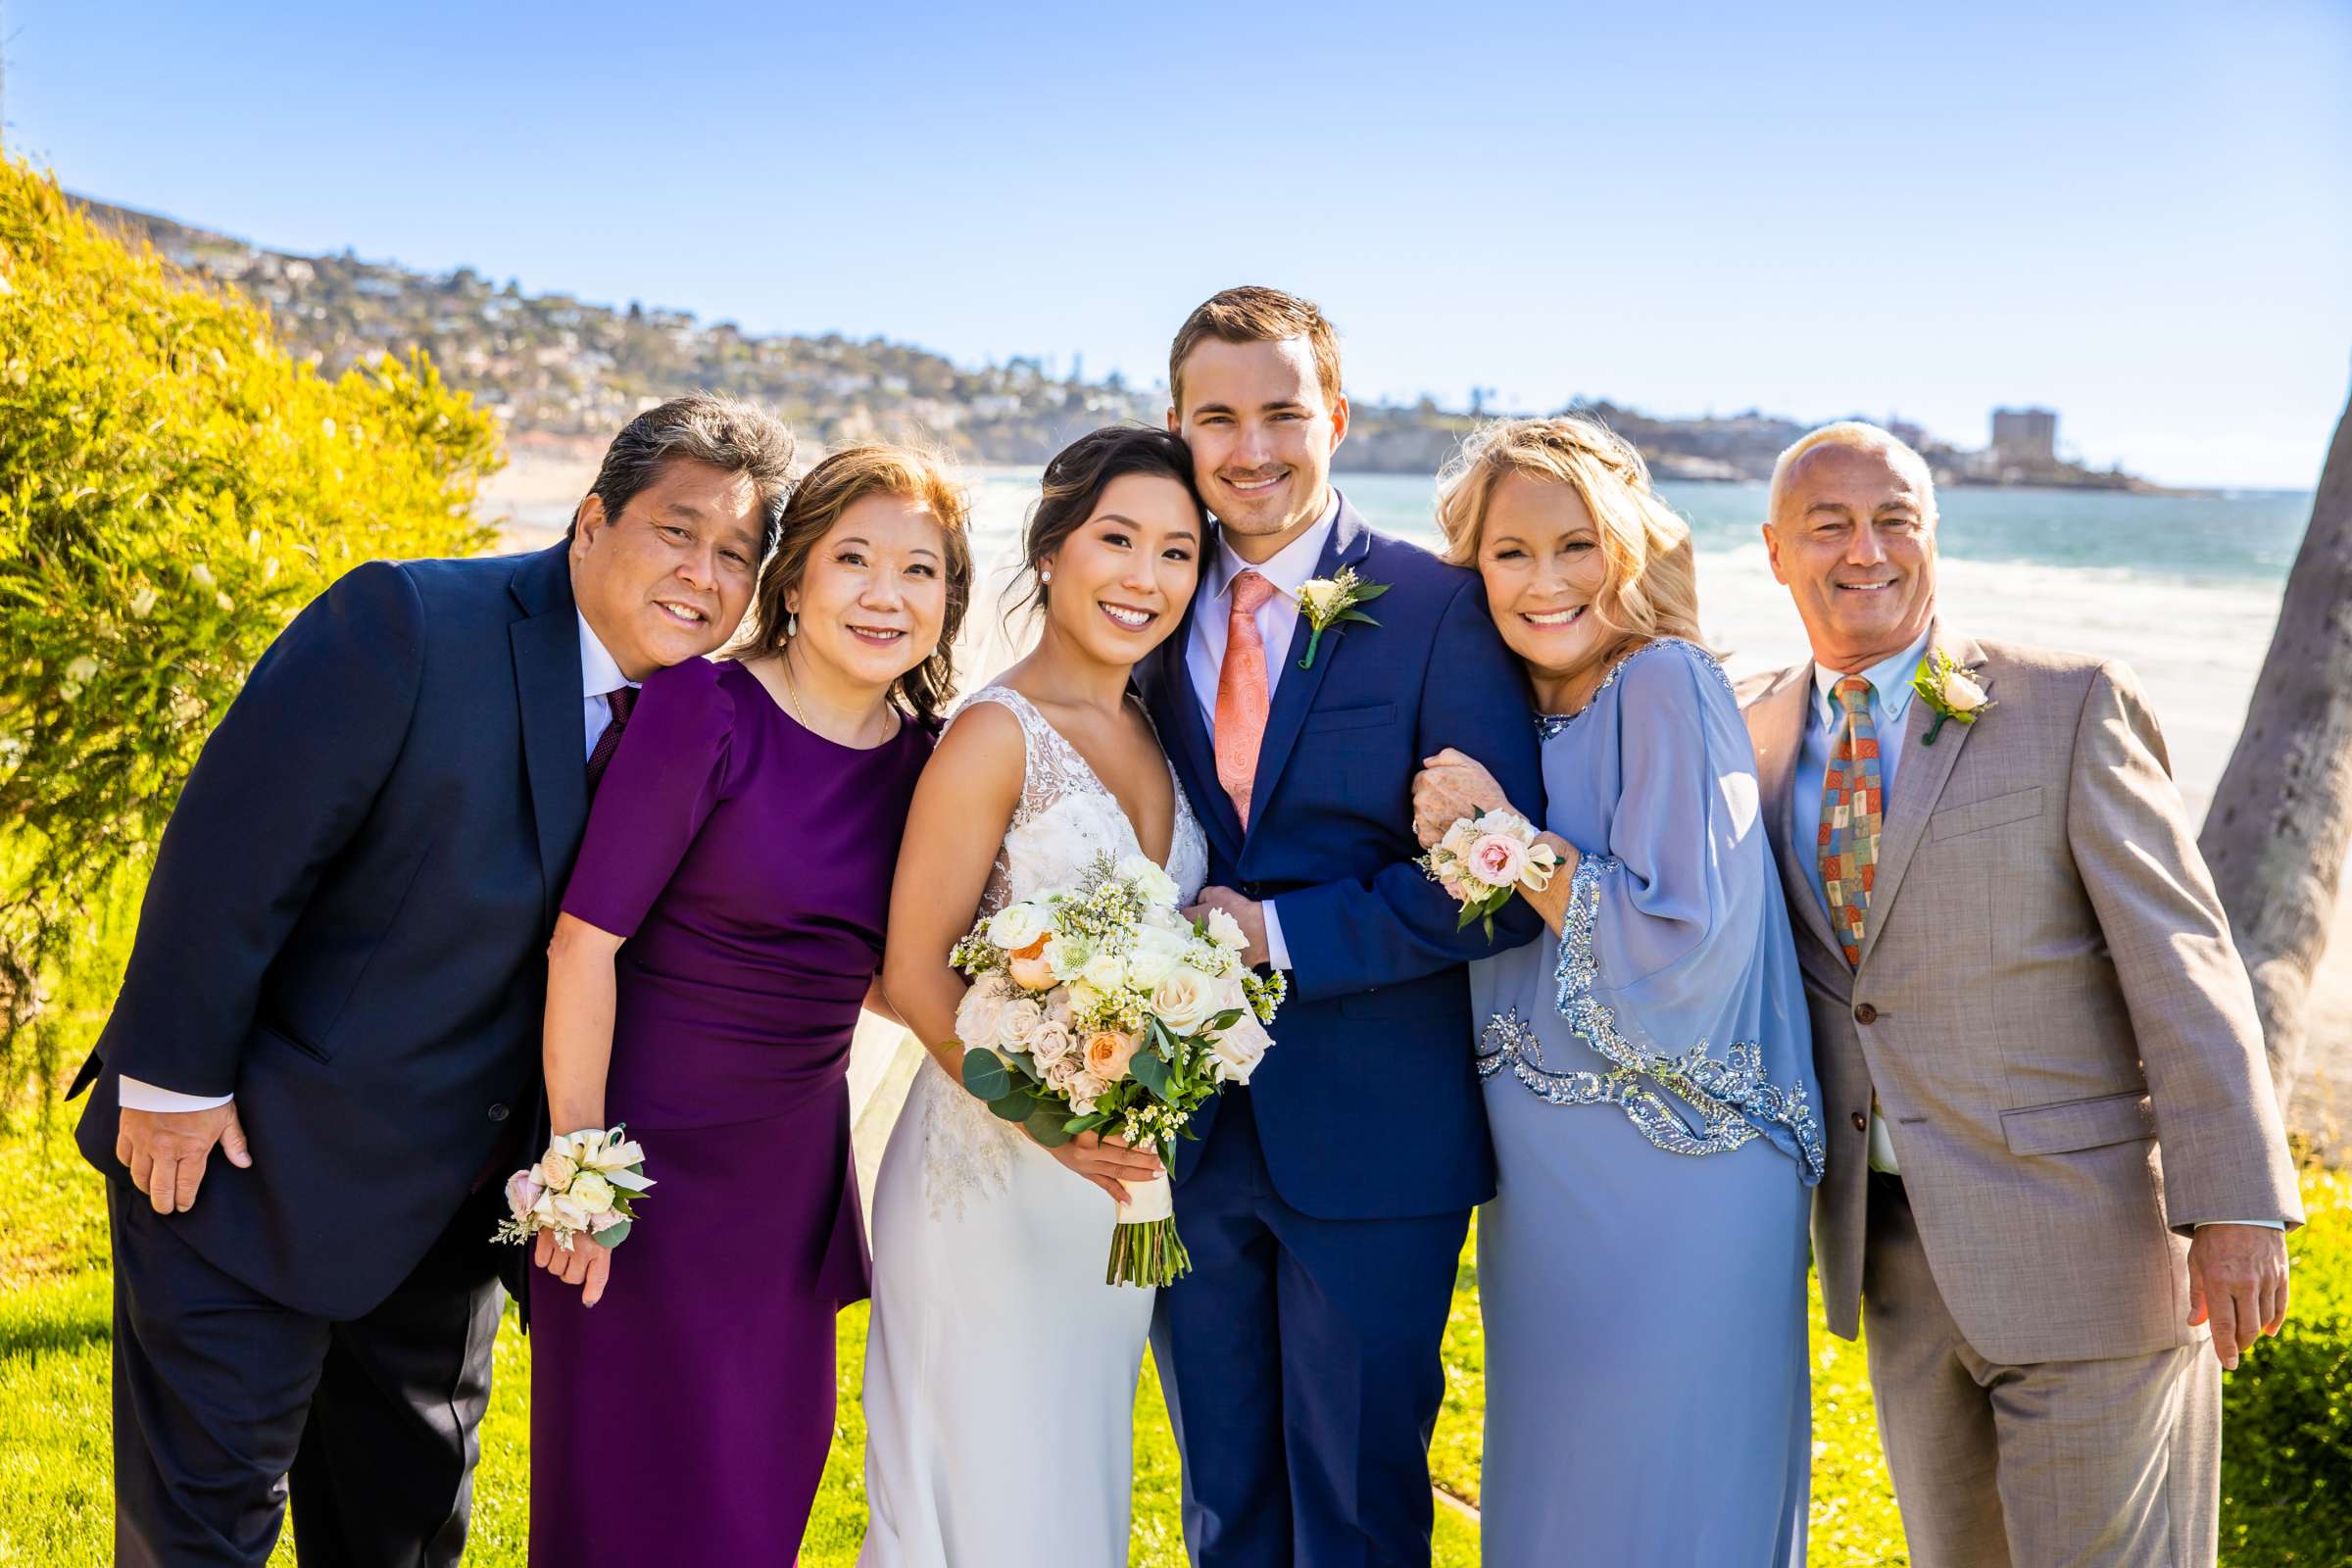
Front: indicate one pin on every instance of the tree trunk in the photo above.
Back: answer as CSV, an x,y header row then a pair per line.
x,y
2282,817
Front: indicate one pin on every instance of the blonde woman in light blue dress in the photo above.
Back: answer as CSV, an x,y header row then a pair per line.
x,y
1648,1063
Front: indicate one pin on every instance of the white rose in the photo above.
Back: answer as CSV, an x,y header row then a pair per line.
x,y
591,1192
1185,1001
1155,953
1225,931
1960,694
1019,1021
1015,927
1320,595
980,1015
1149,879
1084,1089
556,1170
1105,971
1236,1052
1459,838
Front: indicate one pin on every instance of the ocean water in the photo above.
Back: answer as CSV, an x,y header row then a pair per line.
x,y
2185,589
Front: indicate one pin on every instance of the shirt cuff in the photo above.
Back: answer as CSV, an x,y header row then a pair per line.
x,y
1277,952
132,1094
2265,1224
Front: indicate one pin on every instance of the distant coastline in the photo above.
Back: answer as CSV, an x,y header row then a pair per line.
x,y
553,367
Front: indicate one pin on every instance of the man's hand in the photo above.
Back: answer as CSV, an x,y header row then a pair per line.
x,y
1245,913
165,1151
2237,1278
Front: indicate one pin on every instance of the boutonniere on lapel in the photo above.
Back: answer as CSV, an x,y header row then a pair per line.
x,y
1947,685
1326,601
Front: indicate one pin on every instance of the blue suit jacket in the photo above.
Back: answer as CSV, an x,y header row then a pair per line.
x,y
1368,1105
348,920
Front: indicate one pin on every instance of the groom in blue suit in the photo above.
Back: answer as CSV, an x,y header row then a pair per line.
x,y
1324,1205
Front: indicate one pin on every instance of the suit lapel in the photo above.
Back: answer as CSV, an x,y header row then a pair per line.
x,y
1349,542
1918,784
547,688
1781,715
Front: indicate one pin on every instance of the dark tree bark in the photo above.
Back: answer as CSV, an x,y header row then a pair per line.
x,y
2282,817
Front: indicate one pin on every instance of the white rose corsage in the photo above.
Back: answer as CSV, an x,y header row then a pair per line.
x,y
1482,860
586,1184
1328,600
1950,689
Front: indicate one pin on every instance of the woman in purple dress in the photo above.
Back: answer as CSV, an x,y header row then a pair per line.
x,y
722,928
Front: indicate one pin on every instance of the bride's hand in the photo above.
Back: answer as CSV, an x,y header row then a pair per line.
x,y
1107,1163
588,1264
1451,786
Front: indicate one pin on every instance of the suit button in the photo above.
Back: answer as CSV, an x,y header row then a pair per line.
x,y
1866,1014
1861,1122
498,1113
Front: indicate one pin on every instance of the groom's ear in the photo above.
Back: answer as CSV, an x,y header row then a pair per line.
x,y
1339,421
1172,423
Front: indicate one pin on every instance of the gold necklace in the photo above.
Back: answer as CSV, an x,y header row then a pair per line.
x,y
784,664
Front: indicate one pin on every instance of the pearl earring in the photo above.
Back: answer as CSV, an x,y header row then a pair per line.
x,y
1046,575
792,624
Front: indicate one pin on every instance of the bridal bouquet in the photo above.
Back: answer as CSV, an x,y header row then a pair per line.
x,y
1100,1007
586,1184
1482,860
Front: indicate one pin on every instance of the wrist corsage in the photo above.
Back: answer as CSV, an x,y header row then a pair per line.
x,y
586,1184
1482,860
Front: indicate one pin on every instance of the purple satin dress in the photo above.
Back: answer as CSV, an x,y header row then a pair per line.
x,y
747,863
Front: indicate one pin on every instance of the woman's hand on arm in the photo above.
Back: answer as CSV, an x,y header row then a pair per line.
x,y
588,1264
1449,787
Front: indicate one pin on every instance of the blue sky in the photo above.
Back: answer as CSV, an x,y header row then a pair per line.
x,y
2139,215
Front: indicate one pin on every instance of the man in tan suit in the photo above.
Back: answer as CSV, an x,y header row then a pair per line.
x,y
2054,1156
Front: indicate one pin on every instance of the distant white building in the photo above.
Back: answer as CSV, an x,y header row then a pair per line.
x,y
2025,435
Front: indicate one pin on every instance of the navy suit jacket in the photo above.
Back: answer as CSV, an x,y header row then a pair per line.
x,y
348,919
1369,1105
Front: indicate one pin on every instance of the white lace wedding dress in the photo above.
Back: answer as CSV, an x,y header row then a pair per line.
x,y
1000,1369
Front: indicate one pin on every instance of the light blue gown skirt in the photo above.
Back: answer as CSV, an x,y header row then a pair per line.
x,y
1648,1394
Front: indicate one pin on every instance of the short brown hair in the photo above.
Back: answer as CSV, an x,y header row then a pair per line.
x,y
699,427
824,492
1254,315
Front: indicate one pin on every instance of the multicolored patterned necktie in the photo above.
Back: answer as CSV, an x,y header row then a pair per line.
x,y
1853,807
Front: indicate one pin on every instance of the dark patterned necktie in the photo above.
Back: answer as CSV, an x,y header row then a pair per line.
x,y
1853,809
621,698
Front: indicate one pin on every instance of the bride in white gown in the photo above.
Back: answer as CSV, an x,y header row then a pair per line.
x,y
1000,1368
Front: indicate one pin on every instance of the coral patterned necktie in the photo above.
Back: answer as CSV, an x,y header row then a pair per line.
x,y
1242,692
1853,807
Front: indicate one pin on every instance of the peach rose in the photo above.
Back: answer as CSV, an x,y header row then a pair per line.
x,y
1107,1052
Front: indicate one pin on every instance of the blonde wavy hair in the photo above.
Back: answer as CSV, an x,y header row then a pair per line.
x,y
1649,581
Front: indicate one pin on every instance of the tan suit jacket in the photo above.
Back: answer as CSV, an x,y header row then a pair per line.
x,y
2049,1006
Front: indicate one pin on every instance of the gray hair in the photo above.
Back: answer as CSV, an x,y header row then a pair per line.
x,y
701,427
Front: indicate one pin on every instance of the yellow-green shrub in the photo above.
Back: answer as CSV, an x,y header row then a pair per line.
x,y
172,487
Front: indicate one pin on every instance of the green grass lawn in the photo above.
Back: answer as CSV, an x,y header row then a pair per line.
x,y
55,1498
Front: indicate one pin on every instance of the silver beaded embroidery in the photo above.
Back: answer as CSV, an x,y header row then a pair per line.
x,y
1729,1097
1549,725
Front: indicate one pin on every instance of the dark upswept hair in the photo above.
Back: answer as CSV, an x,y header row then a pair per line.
x,y
1074,482
823,494
699,427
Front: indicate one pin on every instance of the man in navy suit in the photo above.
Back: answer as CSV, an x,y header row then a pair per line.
x,y
338,980
1324,1205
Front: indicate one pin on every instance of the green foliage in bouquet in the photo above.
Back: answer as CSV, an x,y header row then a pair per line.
x,y
174,487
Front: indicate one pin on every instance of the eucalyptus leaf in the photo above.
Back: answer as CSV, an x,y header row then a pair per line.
x,y
1153,1073
1018,1105
985,1075
1045,1124
614,1236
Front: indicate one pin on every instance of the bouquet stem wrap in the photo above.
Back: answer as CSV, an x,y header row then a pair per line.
x,y
1144,1248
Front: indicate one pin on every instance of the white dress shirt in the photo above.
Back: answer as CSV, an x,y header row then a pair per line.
x,y
600,674
1289,569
